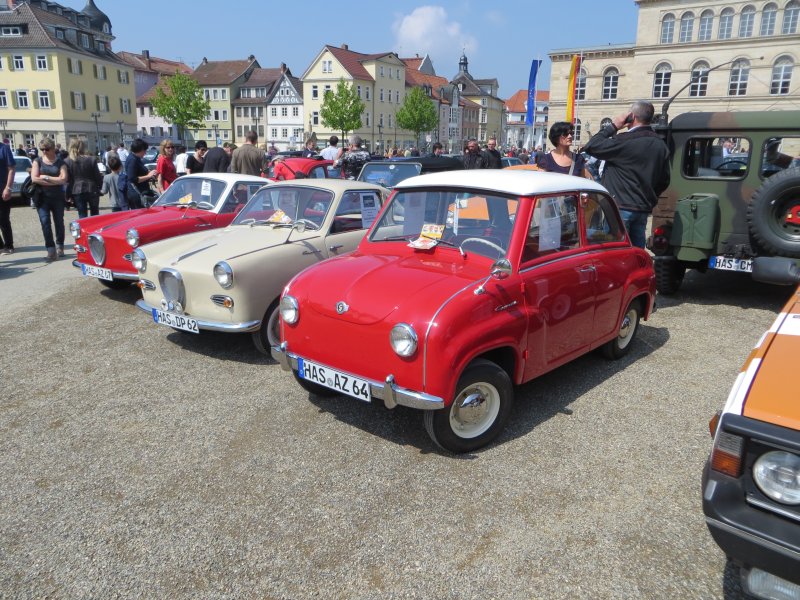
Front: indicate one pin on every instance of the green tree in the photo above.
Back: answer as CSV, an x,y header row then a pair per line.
x,y
182,104
342,110
417,113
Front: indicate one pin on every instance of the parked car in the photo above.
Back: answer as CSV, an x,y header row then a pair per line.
x,y
231,280
389,173
508,161
468,283
305,168
22,170
104,243
751,482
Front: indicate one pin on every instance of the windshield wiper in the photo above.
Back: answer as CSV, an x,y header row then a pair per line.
x,y
446,243
396,238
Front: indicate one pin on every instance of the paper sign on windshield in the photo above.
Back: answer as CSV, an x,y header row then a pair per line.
x,y
279,217
205,188
428,237
185,199
369,208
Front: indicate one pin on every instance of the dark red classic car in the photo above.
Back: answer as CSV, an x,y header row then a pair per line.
x,y
104,243
302,168
468,283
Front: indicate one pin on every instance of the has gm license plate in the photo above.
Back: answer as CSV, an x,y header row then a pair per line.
x,y
99,272
181,322
333,379
726,263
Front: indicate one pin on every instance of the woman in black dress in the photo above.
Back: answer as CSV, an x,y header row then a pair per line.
x,y
561,159
50,172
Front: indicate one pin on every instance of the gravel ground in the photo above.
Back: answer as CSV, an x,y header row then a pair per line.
x,y
140,462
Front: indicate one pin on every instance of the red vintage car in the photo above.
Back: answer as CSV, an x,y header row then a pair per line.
x,y
104,243
302,168
469,282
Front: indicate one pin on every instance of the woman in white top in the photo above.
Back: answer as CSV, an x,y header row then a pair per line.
x,y
180,161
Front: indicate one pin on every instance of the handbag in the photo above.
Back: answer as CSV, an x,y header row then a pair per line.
x,y
33,192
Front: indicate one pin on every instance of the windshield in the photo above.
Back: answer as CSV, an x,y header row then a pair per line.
x,y
279,204
388,174
470,220
185,190
21,165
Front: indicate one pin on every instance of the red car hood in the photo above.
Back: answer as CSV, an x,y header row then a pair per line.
x,y
375,286
116,224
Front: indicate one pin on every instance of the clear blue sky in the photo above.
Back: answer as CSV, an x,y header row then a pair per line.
x,y
501,38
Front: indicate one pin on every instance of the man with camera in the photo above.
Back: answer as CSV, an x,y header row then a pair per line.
x,y
636,169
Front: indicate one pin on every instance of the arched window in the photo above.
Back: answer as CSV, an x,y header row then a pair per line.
x,y
790,14
687,25
667,28
725,24
781,76
768,17
661,80
746,21
610,84
699,85
740,73
580,85
706,25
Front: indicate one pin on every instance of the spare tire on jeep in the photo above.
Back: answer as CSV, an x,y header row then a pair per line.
x,y
774,214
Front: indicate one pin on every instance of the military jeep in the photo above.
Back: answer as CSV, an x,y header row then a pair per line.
x,y
734,193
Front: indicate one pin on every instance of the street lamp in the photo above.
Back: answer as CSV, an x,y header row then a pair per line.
x,y
95,116
216,134
380,136
120,124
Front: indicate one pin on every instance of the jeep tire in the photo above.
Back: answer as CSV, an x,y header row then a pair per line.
x,y
766,214
669,274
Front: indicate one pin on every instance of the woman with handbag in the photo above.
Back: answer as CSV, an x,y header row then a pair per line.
x,y
85,180
49,173
561,159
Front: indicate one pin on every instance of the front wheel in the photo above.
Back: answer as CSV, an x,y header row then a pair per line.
x,y
621,345
269,334
115,284
480,409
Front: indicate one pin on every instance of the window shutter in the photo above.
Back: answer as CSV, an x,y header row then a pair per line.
x,y
94,68
121,107
51,59
52,99
14,100
80,67
97,101
119,76
35,98
10,62
83,100
72,99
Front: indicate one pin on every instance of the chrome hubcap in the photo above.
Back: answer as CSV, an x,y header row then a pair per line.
x,y
474,410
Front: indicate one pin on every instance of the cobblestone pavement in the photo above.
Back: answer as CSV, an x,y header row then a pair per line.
x,y
140,462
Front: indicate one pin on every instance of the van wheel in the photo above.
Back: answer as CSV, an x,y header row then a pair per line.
x,y
669,274
269,334
774,214
480,409
621,345
115,284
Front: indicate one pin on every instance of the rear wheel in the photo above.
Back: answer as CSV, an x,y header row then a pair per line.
x,y
774,214
480,409
669,274
621,345
269,334
115,284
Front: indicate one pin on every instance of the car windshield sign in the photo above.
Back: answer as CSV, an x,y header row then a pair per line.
x,y
200,192
388,174
283,205
472,221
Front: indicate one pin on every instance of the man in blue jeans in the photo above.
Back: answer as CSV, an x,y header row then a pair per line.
x,y
7,168
636,172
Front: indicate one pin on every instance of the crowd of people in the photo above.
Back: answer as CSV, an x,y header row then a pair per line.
x,y
633,158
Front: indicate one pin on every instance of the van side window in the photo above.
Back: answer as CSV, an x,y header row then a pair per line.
x,y
717,158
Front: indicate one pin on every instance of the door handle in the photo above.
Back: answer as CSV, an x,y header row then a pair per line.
x,y
203,225
587,269
335,247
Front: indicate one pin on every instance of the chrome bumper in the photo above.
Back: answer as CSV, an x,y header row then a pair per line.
x,y
391,394
210,325
114,274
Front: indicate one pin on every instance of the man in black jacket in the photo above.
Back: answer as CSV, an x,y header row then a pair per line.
x,y
473,157
636,168
492,154
218,159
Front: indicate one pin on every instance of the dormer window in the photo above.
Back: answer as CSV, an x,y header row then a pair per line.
x,y
11,31
106,28
60,34
85,41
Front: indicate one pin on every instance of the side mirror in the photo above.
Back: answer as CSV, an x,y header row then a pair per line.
x,y
501,269
776,270
300,226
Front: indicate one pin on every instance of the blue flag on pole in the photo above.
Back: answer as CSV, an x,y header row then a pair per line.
x,y
532,92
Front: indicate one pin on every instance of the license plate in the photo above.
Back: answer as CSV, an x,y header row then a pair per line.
x,y
181,322
99,272
725,263
333,379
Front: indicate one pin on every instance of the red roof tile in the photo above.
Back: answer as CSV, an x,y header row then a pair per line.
x,y
517,102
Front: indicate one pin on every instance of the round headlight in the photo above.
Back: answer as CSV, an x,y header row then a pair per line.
x,y
132,237
139,260
403,339
290,310
75,229
777,474
223,274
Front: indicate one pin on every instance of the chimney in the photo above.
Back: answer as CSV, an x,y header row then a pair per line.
x,y
251,58
146,55
345,47
283,68
205,60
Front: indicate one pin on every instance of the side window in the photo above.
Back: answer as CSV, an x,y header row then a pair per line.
x,y
779,153
600,222
356,210
240,194
717,157
554,227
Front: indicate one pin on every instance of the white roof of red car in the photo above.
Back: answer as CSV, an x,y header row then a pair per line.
x,y
516,183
